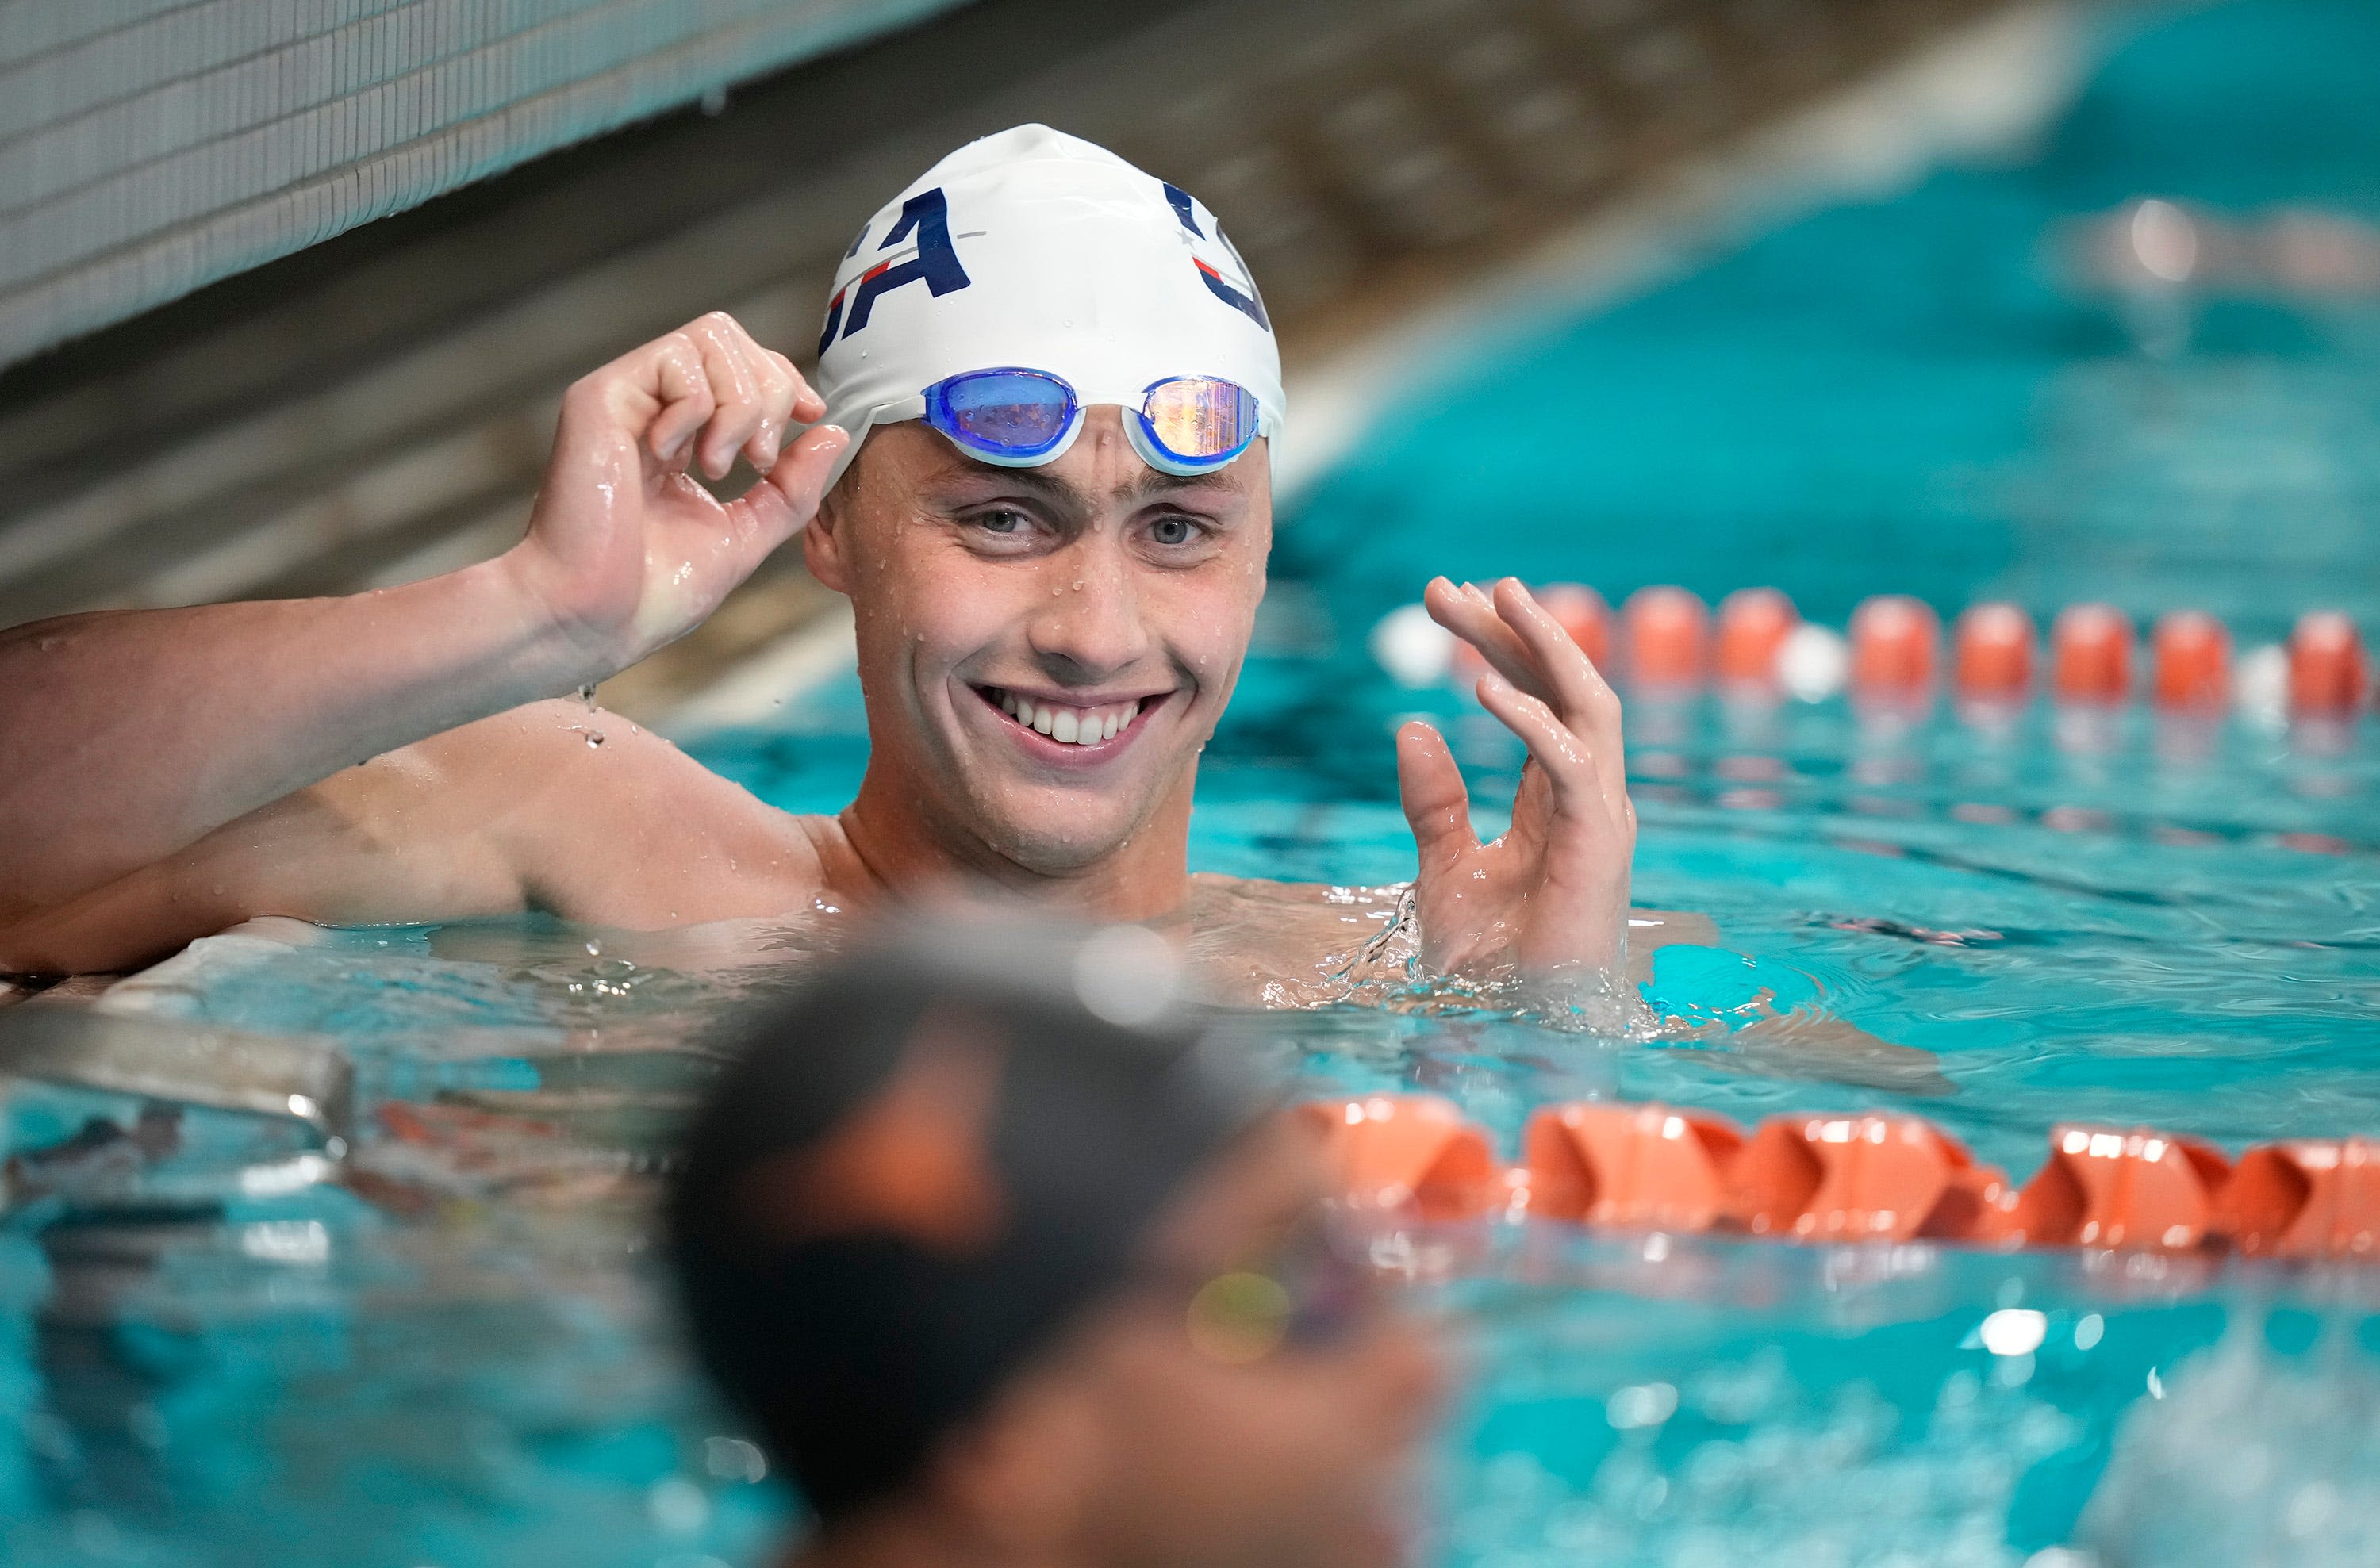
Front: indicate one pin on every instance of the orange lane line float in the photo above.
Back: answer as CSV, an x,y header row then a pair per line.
x,y
1994,655
1664,641
1894,645
2090,655
2328,672
2133,1188
1641,1167
2192,655
1753,626
1669,637
2304,1199
1407,1151
1856,1178
1862,1177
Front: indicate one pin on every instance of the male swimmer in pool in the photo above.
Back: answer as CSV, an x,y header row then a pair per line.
x,y
1054,557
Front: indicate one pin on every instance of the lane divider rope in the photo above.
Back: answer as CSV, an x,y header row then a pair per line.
x,y
1664,641
1862,1177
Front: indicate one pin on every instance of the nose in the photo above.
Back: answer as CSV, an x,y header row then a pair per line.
x,y
1090,628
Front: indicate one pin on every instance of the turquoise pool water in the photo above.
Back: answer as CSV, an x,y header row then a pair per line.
x,y
454,1355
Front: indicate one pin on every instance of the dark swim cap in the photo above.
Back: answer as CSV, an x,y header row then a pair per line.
x,y
921,1169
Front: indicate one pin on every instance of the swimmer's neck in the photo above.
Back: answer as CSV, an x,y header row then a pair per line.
x,y
885,845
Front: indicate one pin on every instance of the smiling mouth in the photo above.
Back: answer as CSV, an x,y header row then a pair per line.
x,y
1068,726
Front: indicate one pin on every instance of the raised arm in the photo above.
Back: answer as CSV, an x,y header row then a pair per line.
x,y
126,736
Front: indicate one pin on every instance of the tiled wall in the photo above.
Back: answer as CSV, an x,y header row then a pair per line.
x,y
149,147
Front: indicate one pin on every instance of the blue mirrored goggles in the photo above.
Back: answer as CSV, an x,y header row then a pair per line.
x,y
1020,418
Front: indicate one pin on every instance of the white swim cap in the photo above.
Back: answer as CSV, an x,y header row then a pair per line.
x,y
1035,250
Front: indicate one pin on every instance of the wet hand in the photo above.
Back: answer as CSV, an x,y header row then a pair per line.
x,y
1550,897
625,552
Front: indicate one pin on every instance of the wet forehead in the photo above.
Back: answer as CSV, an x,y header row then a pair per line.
x,y
1101,472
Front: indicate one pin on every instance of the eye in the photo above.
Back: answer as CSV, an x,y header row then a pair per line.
x,y
1004,529
1173,531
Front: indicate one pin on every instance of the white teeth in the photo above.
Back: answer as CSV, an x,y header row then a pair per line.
x,y
1068,726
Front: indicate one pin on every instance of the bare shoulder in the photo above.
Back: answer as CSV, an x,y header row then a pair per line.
x,y
1327,911
606,822
553,806
1279,944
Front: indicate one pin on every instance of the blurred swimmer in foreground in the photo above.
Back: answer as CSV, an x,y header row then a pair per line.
x,y
1038,463
1007,1264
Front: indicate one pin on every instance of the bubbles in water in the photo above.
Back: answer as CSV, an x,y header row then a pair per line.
x,y
1639,1406
2013,1330
678,1506
2249,1458
1749,1463
733,1459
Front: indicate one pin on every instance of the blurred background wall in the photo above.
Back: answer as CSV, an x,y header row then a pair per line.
x,y
148,147
318,397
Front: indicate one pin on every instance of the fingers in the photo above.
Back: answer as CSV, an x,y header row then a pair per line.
x,y
663,386
1521,642
1431,789
788,496
1469,614
754,390
1577,690
809,408
700,397
1581,787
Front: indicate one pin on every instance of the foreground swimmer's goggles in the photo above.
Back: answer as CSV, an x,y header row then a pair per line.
x,y
1315,1292
1019,419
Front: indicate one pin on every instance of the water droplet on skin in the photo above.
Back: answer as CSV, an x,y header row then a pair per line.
x,y
594,738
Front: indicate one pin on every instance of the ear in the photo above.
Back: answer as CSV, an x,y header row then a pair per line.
x,y
823,542
1021,1478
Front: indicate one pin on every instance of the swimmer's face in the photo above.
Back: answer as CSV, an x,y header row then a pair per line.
x,y
1044,650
